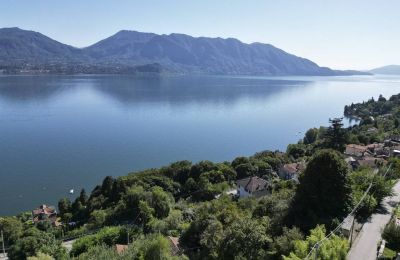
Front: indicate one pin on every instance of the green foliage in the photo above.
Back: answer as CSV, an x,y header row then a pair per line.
x,y
34,241
160,201
64,207
276,207
388,253
391,234
246,239
296,150
108,236
395,170
156,248
285,243
324,192
332,248
100,252
335,136
40,256
311,136
153,247
12,229
381,188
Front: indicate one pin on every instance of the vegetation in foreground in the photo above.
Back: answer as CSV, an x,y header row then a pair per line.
x,y
188,201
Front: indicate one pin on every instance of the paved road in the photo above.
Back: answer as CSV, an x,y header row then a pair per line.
x,y
365,246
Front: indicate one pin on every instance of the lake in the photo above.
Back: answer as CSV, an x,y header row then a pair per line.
x,y
68,132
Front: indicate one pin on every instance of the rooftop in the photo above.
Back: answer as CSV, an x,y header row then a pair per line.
x,y
252,184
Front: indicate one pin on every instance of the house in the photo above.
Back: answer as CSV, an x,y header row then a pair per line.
x,y
351,162
355,150
45,213
252,186
174,244
291,171
369,161
373,148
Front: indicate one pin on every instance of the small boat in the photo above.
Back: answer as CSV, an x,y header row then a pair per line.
x,y
71,191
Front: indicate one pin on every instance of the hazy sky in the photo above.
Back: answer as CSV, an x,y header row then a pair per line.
x,y
342,34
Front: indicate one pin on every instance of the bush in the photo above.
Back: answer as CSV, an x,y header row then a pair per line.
x,y
391,234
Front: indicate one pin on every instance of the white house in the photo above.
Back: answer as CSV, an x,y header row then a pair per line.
x,y
254,186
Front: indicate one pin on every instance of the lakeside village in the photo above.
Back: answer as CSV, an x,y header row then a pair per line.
x,y
271,205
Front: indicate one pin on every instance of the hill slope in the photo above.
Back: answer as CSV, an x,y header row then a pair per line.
x,y
176,53
389,70
184,53
21,46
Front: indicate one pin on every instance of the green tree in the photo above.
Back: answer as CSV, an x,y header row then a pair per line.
x,y
285,243
396,123
391,234
246,239
146,213
333,248
211,238
64,206
160,202
381,188
83,197
311,136
12,229
157,248
108,236
107,186
324,192
34,241
335,136
244,170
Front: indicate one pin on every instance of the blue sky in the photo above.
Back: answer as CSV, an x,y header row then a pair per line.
x,y
352,34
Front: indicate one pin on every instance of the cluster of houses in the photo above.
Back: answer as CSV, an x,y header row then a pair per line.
x,y
372,156
45,213
258,187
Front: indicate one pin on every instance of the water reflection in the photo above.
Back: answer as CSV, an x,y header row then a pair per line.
x,y
129,89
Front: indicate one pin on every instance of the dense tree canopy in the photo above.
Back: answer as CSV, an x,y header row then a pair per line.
x,y
324,192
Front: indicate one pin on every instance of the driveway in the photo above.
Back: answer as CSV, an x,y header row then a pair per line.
x,y
365,246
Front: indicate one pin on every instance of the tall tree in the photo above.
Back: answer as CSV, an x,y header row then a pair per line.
x,y
310,136
83,197
324,192
335,136
64,206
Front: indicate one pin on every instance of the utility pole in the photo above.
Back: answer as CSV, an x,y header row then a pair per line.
x,y
316,252
2,242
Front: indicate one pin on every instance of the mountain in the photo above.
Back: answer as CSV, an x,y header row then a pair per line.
x,y
389,70
132,51
20,46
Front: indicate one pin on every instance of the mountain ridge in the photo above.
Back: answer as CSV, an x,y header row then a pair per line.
x,y
387,70
124,51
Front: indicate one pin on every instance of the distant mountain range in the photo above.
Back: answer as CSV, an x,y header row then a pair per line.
x,y
388,70
136,52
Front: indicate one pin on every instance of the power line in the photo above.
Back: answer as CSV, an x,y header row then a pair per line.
x,y
319,243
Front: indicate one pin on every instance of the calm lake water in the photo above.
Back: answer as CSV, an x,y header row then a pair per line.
x,y
64,132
